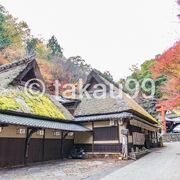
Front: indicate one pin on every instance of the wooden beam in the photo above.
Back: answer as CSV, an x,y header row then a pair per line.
x,y
29,133
93,137
3,125
25,146
43,145
119,141
62,136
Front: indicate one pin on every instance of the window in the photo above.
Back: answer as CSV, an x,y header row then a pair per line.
x,y
105,133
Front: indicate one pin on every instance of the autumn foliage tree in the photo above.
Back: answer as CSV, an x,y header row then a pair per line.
x,y
168,64
16,42
13,34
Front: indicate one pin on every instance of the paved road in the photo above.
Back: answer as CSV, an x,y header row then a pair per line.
x,y
163,164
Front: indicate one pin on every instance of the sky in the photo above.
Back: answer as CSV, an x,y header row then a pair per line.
x,y
109,34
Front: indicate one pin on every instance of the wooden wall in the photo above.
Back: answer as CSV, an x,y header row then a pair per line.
x,y
105,138
150,135
12,147
11,151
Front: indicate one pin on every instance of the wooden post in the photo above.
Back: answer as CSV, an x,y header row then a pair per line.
x,y
156,139
92,137
125,132
118,136
25,146
29,133
62,137
43,145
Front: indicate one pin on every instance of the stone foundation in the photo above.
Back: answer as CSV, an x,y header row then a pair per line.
x,y
104,155
171,137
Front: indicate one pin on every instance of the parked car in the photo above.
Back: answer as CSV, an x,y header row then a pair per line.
x,y
176,129
77,153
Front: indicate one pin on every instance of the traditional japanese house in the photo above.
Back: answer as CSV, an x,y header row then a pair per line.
x,y
109,118
32,129
40,128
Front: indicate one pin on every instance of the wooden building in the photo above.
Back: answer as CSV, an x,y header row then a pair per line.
x,y
32,129
35,129
109,117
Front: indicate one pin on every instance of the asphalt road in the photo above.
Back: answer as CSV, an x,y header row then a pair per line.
x,y
162,164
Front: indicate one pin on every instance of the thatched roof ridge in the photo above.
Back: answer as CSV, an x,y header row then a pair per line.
x,y
109,104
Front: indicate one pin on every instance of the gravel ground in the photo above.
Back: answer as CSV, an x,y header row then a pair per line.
x,y
65,170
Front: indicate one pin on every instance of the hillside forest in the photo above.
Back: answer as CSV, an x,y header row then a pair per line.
x,y
16,42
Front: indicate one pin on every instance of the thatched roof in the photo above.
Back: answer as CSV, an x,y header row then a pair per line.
x,y
45,106
108,104
13,98
14,72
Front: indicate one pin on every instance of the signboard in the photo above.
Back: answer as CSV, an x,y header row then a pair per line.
x,y
21,131
124,132
138,138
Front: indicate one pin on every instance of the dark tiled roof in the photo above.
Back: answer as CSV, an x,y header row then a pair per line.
x,y
39,123
104,117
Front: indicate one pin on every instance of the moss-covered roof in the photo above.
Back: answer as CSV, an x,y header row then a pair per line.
x,y
19,101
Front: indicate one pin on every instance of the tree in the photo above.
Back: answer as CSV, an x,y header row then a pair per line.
x,y
107,75
143,73
31,46
77,67
140,74
17,42
46,71
13,35
54,46
149,105
42,51
168,65
4,40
